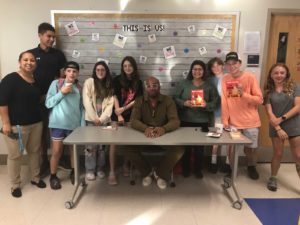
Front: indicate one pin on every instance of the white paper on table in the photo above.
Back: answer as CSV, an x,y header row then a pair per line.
x,y
143,59
219,31
252,42
104,60
152,38
202,50
71,28
75,54
169,52
95,36
120,40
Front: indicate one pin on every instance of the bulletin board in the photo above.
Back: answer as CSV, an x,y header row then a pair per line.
x,y
164,45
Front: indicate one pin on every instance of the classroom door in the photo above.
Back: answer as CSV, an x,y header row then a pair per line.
x,y
284,46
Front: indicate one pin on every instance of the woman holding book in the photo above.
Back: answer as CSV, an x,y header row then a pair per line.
x,y
196,100
282,104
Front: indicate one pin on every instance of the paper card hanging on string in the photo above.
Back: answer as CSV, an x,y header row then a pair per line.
x,y
152,38
202,50
95,36
143,59
104,60
169,52
191,28
75,54
219,32
120,40
71,28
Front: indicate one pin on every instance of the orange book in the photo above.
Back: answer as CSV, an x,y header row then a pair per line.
x,y
197,97
232,88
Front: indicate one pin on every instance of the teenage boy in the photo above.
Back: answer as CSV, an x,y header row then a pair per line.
x,y
49,61
241,96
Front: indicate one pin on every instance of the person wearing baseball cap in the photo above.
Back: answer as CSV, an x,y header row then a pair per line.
x,y
64,100
241,96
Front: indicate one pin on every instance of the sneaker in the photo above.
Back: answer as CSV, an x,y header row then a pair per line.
x,y
272,184
161,183
40,184
72,176
17,193
55,183
252,172
90,176
112,179
147,181
101,174
213,168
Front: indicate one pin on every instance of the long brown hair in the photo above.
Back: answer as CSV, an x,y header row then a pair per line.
x,y
288,83
125,82
103,88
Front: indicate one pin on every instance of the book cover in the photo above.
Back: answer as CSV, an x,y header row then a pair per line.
x,y
197,97
232,88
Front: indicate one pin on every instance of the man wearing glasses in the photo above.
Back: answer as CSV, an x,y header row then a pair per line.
x,y
154,114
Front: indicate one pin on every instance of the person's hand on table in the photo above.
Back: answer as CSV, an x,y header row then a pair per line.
x,y
149,132
159,131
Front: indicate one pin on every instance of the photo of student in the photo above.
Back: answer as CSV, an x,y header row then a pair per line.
x,y
22,122
64,100
50,62
98,102
127,87
195,111
282,104
241,96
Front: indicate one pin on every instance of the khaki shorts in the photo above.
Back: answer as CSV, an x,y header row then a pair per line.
x,y
252,134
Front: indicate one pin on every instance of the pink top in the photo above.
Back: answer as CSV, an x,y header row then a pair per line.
x,y
241,111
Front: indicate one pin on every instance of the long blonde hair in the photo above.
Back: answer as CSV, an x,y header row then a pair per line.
x,y
288,83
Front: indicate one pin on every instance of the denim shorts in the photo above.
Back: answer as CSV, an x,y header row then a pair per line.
x,y
59,134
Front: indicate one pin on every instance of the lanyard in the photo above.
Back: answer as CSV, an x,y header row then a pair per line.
x,y
20,139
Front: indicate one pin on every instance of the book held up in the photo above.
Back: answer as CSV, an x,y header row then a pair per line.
x,y
197,97
232,88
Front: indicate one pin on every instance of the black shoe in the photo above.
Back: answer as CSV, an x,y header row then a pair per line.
x,y
72,176
199,174
55,183
225,168
213,168
252,172
40,184
17,193
45,169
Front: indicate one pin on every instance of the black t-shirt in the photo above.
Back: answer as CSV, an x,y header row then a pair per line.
x,y
22,99
125,96
48,68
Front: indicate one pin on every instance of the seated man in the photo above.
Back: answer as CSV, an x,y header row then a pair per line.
x,y
154,114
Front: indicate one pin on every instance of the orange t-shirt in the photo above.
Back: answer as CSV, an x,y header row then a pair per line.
x,y
241,111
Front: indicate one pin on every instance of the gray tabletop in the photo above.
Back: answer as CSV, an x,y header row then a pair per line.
x,y
129,136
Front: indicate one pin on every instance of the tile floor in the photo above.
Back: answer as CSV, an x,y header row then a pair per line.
x,y
192,202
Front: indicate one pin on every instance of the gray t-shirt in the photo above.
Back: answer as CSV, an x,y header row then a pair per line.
x,y
282,103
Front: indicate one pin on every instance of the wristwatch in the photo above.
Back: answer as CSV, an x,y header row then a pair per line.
x,y
283,117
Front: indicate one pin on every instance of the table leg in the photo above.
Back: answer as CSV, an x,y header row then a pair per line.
x,y
77,182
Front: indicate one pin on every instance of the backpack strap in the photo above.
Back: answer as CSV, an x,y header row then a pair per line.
x,y
60,83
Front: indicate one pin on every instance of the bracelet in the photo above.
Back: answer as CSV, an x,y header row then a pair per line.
x,y
278,129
